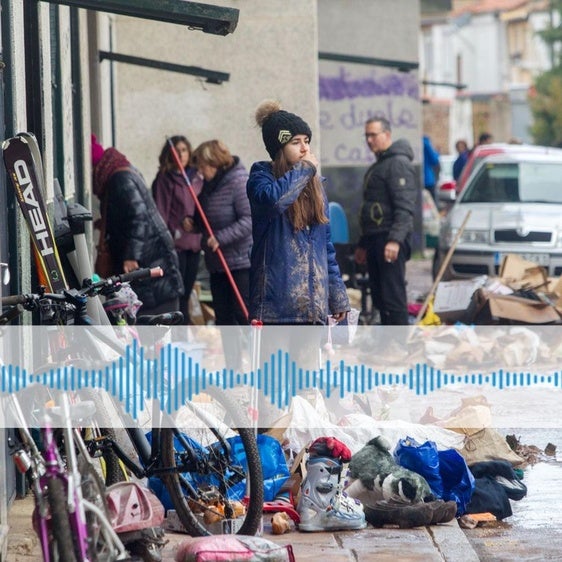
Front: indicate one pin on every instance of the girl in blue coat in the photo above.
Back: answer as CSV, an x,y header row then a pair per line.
x,y
294,276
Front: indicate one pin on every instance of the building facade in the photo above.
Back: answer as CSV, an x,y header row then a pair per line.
x,y
478,60
137,72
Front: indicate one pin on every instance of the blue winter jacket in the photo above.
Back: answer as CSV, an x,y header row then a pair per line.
x,y
294,276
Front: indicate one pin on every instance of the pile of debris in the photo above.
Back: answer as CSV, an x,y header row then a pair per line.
x,y
521,294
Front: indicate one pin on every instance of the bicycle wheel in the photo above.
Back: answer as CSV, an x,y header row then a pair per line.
x,y
209,487
62,543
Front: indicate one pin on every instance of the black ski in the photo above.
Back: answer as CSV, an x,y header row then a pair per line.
x,y
22,159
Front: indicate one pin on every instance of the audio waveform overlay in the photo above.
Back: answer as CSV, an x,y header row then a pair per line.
x,y
176,376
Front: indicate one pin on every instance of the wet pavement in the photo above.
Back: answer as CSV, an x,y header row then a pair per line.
x,y
534,531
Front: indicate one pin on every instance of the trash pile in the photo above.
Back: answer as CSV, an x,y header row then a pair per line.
x,y
394,472
521,294
326,476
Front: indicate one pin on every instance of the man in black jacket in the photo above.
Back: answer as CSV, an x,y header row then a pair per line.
x,y
387,219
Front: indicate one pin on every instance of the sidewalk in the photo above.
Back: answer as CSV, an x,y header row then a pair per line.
x,y
437,543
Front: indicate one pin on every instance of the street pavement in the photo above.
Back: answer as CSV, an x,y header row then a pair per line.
x,y
437,543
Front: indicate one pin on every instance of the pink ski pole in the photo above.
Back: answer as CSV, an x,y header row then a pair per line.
x,y
209,230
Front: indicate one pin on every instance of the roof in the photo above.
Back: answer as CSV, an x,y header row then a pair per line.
x,y
487,6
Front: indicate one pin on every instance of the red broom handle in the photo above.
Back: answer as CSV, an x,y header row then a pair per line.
x,y
209,230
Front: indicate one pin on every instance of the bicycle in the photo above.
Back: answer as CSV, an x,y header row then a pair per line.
x,y
215,482
70,515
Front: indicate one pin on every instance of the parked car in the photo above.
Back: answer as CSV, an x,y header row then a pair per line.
x,y
448,192
515,201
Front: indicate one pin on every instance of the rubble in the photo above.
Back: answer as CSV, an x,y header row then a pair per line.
x,y
521,294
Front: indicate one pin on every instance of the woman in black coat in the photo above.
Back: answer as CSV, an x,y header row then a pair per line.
x,y
136,234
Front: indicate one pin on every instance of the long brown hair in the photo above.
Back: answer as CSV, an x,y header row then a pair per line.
x,y
309,207
166,159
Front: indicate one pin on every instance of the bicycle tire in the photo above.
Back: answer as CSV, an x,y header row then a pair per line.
x,y
62,539
113,470
194,522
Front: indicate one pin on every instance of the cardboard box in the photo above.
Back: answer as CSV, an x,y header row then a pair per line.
x,y
519,273
453,299
508,309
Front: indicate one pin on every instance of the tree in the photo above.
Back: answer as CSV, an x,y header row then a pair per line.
x,y
545,99
546,106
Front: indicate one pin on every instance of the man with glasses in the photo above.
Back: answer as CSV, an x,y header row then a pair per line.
x,y
387,220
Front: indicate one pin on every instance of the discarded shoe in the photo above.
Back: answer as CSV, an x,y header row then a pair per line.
x,y
342,514
405,516
322,505
443,511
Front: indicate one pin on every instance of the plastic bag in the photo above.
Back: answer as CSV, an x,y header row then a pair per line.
x,y
273,462
423,459
229,548
458,481
274,466
343,333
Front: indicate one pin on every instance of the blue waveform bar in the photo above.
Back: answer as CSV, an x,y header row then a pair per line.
x,y
175,377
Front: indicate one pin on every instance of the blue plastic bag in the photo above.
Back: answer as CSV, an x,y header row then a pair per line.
x,y
423,459
273,462
458,481
274,466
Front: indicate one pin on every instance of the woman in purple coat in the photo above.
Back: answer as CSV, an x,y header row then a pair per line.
x,y
226,206
175,204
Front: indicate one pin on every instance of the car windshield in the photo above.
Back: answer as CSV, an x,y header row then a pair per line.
x,y
525,182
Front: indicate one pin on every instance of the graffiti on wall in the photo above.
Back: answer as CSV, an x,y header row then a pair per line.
x,y
351,94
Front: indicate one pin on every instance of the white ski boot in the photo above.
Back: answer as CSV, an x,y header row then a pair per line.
x,y
323,506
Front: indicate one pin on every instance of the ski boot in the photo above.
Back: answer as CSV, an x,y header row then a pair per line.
x,y
323,506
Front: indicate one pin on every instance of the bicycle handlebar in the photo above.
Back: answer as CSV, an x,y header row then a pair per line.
x,y
90,288
165,319
145,273
14,299
11,314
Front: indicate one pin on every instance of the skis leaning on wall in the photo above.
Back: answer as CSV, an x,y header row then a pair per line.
x,y
22,159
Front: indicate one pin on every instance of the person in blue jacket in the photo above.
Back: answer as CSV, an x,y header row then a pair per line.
x,y
462,148
294,276
431,166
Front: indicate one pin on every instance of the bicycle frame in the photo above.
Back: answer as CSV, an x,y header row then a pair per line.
x,y
149,451
46,466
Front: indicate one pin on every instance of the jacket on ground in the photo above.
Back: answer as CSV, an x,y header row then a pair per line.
x,y
294,278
